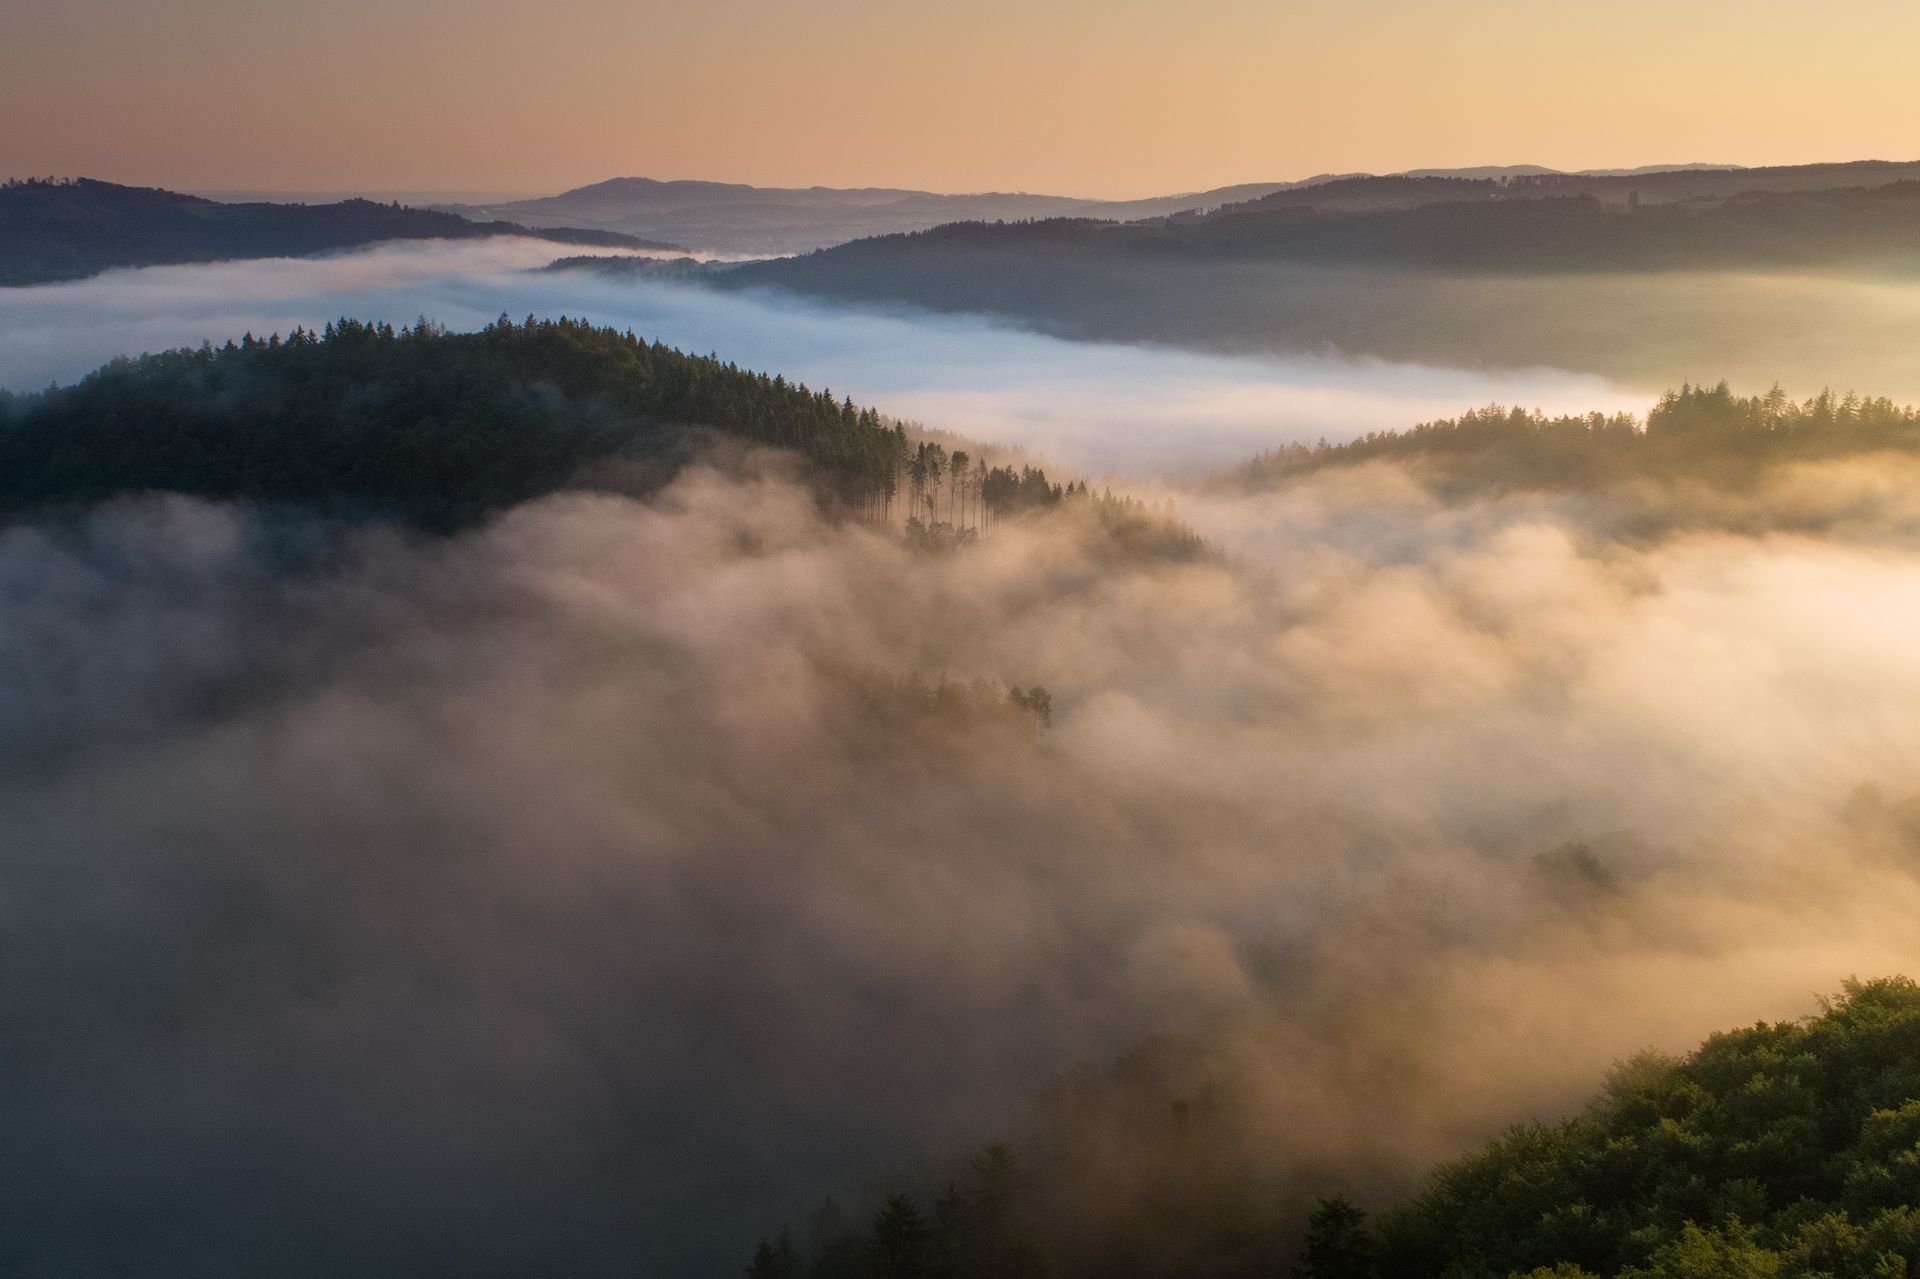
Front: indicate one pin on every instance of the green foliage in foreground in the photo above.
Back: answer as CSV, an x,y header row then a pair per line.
x,y
432,427
1786,1150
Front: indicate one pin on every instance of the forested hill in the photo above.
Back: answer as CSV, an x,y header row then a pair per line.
x,y
1787,1150
972,264
731,217
441,429
69,230
1684,182
1705,435
416,424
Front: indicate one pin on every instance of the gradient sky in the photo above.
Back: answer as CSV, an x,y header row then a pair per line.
x,y
1113,98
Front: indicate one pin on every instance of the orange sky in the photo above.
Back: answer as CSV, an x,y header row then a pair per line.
x,y
1069,96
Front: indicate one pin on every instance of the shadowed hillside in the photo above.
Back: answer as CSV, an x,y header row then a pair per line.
x,y
431,427
1804,288
70,230
441,429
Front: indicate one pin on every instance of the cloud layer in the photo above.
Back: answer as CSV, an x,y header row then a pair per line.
x,y
573,892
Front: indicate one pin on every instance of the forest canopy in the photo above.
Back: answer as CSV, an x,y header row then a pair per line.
x,y
418,424
1785,1149
439,430
68,230
1702,434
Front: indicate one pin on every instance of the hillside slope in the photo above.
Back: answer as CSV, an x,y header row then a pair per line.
x,y
1805,289
1785,1150
70,230
732,217
432,428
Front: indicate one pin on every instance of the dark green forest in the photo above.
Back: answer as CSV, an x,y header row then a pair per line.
x,y
416,424
1787,1149
54,230
1700,434
439,430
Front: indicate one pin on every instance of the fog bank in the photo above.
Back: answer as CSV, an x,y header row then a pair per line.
x,y
576,891
1093,407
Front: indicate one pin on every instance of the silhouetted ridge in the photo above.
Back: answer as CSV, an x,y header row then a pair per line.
x,y
1853,228
69,230
432,427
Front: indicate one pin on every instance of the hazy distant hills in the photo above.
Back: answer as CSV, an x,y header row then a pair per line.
x,y
1862,227
734,218
1656,185
70,230
725,217
1759,285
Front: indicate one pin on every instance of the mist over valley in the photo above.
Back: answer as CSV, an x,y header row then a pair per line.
x,y
1110,657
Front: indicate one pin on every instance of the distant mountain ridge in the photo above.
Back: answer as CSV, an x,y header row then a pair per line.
x,y
736,218
1854,228
731,217
1652,185
1731,287
53,231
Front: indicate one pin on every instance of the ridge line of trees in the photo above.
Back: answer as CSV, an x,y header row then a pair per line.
x,y
441,429
414,421
1695,432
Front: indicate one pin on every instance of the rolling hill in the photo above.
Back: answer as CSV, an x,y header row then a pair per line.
x,y
70,230
734,218
727,217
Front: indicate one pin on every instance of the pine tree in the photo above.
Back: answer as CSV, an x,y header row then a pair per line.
x,y
900,1240
1339,1244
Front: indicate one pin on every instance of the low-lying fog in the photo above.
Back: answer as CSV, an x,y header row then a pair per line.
x,y
1092,407
564,893
572,891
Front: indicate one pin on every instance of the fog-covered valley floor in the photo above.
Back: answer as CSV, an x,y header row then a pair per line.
x,y
583,887
599,885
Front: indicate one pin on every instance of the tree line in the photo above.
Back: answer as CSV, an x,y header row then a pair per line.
x,y
441,429
1699,433
973,1227
415,423
1784,1150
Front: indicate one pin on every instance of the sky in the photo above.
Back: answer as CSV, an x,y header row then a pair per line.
x,y
1114,99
